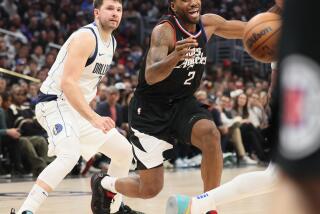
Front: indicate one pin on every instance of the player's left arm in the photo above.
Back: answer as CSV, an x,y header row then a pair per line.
x,y
215,24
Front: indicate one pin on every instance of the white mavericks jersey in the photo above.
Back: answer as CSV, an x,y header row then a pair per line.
x,y
96,67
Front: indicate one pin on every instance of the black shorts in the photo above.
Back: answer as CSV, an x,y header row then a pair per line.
x,y
154,126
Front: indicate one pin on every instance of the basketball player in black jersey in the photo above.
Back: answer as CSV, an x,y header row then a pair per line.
x,y
164,109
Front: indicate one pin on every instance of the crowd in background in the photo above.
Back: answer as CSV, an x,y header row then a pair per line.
x,y
236,96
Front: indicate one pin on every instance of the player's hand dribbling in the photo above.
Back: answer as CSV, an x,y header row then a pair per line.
x,y
184,48
103,123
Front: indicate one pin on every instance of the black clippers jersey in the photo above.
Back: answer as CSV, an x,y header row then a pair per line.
x,y
185,77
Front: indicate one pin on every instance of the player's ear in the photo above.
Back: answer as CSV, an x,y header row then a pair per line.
x,y
172,6
96,12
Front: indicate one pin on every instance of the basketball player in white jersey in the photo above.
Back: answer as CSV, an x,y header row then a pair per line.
x,y
63,109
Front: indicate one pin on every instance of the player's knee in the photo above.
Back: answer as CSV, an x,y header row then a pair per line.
x,y
210,138
74,158
151,191
125,155
59,168
70,159
127,151
121,149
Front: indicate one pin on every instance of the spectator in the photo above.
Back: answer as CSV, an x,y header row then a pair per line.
x,y
10,7
11,142
43,73
32,93
33,145
4,131
234,135
250,134
3,86
256,111
110,107
38,56
102,93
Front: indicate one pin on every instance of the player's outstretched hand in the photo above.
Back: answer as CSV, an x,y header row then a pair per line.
x,y
184,48
103,123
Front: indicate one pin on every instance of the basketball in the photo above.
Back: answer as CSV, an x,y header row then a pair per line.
x,y
261,36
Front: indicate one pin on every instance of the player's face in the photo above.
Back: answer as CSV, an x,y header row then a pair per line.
x,y
109,14
188,10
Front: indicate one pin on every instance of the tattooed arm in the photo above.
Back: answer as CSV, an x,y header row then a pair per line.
x,y
161,60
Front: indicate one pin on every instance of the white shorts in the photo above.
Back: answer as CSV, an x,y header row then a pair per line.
x,y
63,123
148,150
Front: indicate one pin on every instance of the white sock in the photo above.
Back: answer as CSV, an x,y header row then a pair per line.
x,y
242,186
35,198
202,204
109,183
245,185
119,150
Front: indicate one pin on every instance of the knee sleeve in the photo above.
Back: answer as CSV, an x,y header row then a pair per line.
x,y
67,156
54,173
119,150
117,147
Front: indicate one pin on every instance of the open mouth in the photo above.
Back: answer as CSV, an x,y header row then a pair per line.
x,y
194,13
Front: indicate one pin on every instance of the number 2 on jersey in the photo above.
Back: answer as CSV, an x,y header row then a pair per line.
x,y
191,75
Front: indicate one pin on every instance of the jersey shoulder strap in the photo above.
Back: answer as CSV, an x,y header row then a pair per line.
x,y
93,57
114,44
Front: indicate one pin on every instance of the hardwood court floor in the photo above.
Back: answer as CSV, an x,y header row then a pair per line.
x,y
73,195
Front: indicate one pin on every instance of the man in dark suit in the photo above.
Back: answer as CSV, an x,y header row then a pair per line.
x,y
111,107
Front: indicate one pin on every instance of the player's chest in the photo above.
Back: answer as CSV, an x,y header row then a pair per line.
x,y
101,64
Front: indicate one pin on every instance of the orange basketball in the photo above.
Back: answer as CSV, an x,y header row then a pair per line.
x,y
261,36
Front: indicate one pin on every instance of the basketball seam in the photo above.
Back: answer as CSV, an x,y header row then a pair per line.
x,y
248,31
262,43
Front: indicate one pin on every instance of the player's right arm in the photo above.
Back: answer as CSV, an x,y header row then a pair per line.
x,y
164,54
78,52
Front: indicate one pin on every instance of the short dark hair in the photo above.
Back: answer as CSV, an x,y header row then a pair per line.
x,y
97,3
